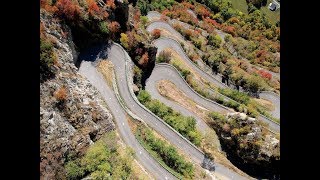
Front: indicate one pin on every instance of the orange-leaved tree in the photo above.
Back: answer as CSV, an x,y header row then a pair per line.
x,y
156,33
68,8
144,59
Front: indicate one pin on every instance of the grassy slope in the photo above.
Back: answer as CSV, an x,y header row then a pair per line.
x,y
273,16
241,5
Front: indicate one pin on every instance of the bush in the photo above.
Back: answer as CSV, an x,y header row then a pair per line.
x,y
156,33
185,73
232,105
74,171
144,96
166,152
102,160
47,59
254,83
104,27
184,125
124,40
240,97
137,76
214,40
217,116
144,20
61,94
164,57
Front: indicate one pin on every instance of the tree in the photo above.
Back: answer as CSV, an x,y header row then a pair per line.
x,y
144,59
68,9
156,33
74,171
251,8
114,27
104,27
124,40
110,4
214,40
144,6
228,13
214,62
226,73
202,11
188,34
253,84
257,3
93,8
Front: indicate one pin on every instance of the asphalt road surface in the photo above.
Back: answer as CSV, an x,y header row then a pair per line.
x,y
145,159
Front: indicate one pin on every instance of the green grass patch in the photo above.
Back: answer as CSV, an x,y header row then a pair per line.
x,y
240,5
273,16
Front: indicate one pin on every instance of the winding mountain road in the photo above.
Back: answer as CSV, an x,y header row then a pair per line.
x,y
167,72
157,24
96,79
123,65
164,43
151,87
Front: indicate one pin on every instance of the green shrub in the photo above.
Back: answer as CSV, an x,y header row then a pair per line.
x,y
102,160
214,40
165,152
104,27
164,57
238,96
217,116
186,126
185,73
144,20
74,171
144,96
231,104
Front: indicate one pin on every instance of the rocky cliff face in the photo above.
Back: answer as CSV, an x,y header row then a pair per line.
x,y
72,113
248,145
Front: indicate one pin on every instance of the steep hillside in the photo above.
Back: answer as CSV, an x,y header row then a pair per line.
x,y
72,113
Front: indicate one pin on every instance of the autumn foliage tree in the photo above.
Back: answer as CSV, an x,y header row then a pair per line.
x,y
110,4
156,33
114,27
144,59
229,29
265,74
93,8
202,11
68,9
124,40
61,94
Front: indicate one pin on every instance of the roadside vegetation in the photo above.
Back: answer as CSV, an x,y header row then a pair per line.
x,y
186,126
103,160
241,101
253,28
251,147
165,153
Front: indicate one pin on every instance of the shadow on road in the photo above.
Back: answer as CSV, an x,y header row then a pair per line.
x,y
95,52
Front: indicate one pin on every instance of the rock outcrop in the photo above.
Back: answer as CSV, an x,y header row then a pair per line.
x,y
72,112
248,145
